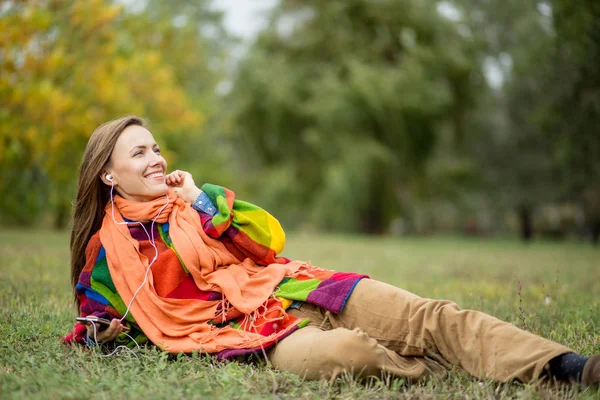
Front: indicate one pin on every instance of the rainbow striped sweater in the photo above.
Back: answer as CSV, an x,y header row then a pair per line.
x,y
247,231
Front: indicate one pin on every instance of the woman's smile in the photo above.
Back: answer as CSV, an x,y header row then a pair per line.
x,y
156,175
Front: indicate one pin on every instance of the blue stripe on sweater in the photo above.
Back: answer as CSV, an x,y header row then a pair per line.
x,y
91,294
101,254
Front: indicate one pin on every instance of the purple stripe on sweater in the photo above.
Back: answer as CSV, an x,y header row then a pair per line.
x,y
230,353
232,231
139,234
332,294
92,306
214,296
85,279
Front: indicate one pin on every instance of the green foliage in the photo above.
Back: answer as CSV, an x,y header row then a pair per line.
x,y
19,176
513,154
350,100
35,296
67,67
537,142
573,109
195,45
345,115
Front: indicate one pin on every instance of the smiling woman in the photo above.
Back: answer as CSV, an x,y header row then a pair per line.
x,y
194,269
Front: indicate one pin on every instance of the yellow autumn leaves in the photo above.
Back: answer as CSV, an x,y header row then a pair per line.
x,y
65,68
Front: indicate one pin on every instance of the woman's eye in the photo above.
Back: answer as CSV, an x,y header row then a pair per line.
x,y
157,151
137,153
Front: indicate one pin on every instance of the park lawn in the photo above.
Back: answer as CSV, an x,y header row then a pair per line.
x,y
551,289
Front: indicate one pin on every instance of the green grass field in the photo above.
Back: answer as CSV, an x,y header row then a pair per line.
x,y
551,289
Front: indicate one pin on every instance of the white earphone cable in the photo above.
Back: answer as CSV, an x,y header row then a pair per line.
x,y
153,244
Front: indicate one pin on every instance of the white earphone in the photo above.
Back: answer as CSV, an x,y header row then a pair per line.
x,y
109,177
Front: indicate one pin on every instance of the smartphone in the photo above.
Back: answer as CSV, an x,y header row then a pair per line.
x,y
103,322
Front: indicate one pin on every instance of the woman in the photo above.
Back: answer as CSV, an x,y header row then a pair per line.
x,y
195,269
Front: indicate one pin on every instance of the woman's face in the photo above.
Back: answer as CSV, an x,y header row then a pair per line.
x,y
137,168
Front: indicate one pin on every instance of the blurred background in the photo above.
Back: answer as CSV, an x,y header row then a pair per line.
x,y
403,117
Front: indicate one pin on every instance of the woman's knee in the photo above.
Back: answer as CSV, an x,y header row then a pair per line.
x,y
351,351
328,354
349,342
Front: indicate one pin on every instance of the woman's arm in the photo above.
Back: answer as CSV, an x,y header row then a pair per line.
x,y
254,232
97,299
247,230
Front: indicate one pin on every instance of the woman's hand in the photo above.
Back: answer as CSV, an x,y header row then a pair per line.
x,y
183,185
108,335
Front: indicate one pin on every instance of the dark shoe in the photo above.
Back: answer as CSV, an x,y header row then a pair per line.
x,y
591,371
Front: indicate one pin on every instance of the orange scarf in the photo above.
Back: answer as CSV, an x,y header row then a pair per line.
x,y
181,324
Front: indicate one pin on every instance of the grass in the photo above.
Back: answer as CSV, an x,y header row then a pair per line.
x,y
551,289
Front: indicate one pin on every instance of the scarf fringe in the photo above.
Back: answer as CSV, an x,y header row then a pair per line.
x,y
212,334
261,314
224,307
248,328
307,270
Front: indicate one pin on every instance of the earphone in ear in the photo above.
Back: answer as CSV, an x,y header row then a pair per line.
x,y
109,177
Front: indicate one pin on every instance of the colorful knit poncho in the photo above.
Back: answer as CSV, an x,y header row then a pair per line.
x,y
246,231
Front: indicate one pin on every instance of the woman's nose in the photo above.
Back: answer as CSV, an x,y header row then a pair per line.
x,y
156,159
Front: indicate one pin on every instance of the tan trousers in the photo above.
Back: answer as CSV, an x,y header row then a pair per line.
x,y
387,330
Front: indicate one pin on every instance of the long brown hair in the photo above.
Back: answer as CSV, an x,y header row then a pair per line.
x,y
92,193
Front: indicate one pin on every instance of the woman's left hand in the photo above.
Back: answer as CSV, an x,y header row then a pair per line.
x,y
183,185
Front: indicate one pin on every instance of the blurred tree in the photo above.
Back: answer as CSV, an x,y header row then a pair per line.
x,y
68,66
195,45
514,153
543,147
341,105
573,109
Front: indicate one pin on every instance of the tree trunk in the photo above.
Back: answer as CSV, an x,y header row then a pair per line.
x,y
595,231
61,218
525,223
372,220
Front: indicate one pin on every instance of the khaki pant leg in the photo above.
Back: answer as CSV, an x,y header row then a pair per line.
x,y
484,346
313,354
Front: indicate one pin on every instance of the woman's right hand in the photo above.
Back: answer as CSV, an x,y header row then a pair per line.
x,y
108,335
183,185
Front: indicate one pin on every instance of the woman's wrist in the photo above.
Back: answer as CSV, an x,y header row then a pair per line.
x,y
193,195
204,204
90,342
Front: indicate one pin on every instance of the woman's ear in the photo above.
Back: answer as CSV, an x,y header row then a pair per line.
x,y
107,178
